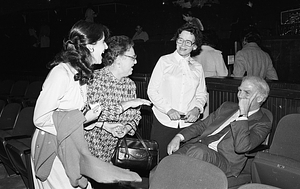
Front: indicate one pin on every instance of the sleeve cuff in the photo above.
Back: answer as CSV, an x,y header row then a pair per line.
x,y
242,118
180,136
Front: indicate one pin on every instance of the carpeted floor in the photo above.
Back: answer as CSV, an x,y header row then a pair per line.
x,y
16,182
10,182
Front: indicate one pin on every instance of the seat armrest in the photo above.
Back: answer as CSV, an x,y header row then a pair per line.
x,y
28,151
17,137
259,148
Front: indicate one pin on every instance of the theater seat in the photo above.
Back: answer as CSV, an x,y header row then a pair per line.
x,y
19,153
257,186
280,165
23,129
179,171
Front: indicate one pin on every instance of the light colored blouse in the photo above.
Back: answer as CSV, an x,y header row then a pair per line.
x,y
176,83
60,92
212,62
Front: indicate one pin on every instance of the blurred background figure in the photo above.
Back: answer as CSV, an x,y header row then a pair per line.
x,y
210,58
251,60
140,35
189,18
90,15
44,36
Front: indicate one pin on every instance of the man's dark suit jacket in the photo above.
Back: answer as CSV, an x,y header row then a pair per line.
x,y
243,136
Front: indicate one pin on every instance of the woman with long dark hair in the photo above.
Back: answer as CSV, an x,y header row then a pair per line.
x,y
58,160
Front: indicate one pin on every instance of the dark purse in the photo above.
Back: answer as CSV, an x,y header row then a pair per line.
x,y
136,154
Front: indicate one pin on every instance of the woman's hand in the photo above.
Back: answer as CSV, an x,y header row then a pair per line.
x,y
174,114
92,114
116,129
192,115
135,103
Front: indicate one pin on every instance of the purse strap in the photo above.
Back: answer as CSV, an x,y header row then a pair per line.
x,y
140,139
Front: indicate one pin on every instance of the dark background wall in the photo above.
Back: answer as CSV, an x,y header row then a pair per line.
x,y
159,18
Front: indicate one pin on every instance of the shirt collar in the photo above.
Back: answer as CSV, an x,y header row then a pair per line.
x,y
178,57
252,112
108,72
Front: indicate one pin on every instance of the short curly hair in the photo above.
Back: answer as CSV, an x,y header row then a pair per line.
x,y
117,45
193,29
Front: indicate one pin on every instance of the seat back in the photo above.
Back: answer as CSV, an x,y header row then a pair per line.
x,y
9,116
280,165
19,88
33,89
257,186
5,87
286,140
179,171
19,154
270,116
2,105
32,93
24,124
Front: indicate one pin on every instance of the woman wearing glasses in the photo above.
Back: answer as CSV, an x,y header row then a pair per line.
x,y
177,88
116,94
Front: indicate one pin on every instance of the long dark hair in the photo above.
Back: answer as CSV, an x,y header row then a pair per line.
x,y
75,50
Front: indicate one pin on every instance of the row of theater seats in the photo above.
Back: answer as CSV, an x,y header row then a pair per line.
x,y
21,91
16,130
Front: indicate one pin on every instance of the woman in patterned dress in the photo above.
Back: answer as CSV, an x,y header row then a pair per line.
x,y
116,93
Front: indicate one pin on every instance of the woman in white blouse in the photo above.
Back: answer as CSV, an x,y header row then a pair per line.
x,y
177,88
65,90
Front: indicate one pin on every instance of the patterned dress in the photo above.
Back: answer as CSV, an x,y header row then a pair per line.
x,y
109,92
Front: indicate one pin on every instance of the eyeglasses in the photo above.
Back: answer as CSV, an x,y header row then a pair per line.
x,y
134,57
187,43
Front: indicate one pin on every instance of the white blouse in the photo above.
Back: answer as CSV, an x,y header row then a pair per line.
x,y
59,93
176,83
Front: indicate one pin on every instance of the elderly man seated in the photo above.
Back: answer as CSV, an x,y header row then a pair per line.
x,y
232,130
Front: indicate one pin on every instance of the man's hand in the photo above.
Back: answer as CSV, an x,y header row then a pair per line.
x,y
173,146
245,104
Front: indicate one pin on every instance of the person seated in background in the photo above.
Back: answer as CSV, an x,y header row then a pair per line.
x,y
211,59
228,133
140,35
252,60
115,92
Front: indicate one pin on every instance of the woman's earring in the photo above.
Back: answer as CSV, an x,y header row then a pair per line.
x,y
92,49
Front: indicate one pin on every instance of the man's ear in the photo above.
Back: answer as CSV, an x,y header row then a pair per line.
x,y
259,98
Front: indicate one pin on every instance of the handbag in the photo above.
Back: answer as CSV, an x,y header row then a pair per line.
x,y
136,154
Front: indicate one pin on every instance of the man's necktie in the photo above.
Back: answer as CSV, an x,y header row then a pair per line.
x,y
209,139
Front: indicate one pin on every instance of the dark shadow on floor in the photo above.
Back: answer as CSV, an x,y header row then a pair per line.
x,y
10,182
